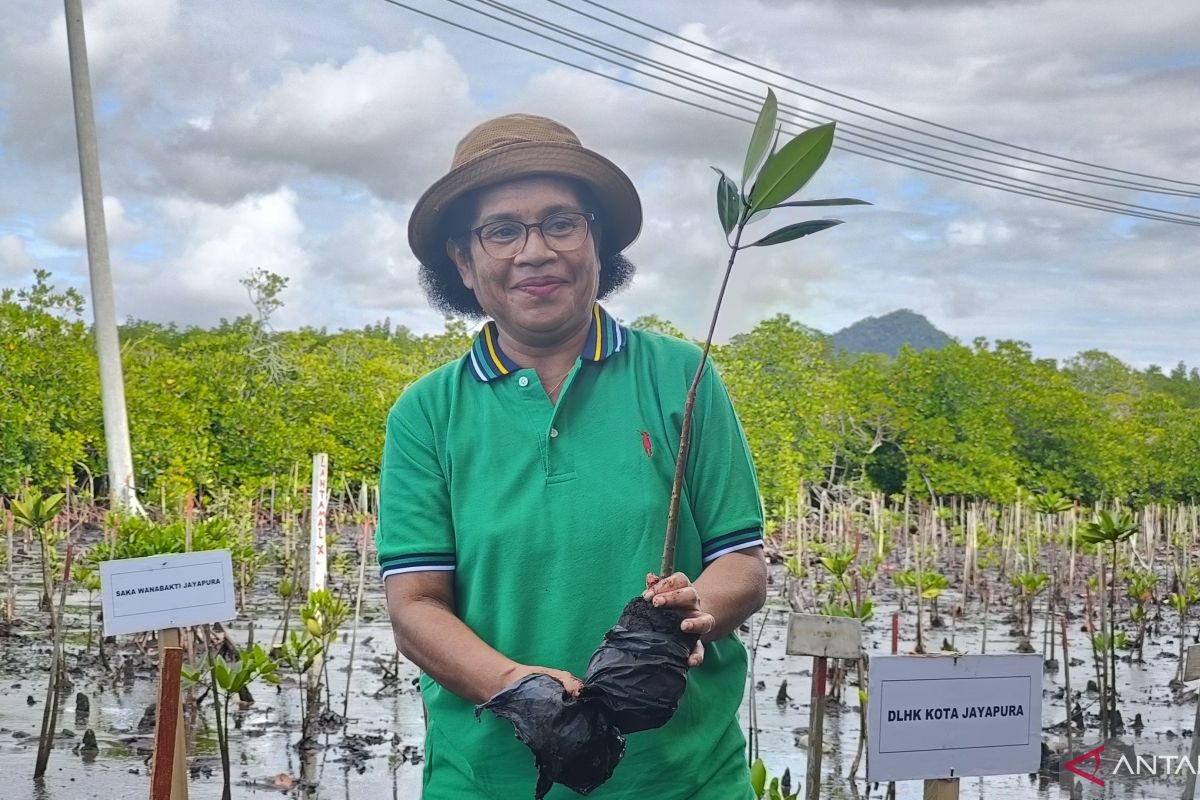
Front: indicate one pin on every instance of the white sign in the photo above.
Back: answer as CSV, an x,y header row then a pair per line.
x,y
168,591
953,716
317,557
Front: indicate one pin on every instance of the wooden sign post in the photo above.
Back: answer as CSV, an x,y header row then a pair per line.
x,y
165,593
168,779
823,638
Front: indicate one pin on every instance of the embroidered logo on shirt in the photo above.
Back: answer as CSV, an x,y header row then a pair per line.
x,y
646,445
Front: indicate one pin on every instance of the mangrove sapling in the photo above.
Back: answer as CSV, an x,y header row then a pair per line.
x,y
779,788
1110,529
50,711
1139,586
36,512
856,607
1049,507
323,614
1186,596
227,681
777,176
1029,585
299,653
89,578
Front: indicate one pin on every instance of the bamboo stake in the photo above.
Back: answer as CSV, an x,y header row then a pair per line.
x,y
10,603
362,572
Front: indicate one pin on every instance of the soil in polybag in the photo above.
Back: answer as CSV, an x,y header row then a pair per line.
x,y
640,671
633,683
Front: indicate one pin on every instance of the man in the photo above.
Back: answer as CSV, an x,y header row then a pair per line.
x,y
525,486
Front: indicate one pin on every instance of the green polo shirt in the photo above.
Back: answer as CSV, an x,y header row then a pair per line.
x,y
550,516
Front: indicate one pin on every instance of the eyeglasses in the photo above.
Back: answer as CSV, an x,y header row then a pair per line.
x,y
562,231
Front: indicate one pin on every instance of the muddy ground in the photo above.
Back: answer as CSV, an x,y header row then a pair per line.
x,y
377,753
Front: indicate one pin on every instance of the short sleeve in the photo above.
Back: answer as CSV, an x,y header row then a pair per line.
x,y
723,487
416,532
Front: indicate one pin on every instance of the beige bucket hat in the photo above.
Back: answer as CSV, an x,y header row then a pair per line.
x,y
520,146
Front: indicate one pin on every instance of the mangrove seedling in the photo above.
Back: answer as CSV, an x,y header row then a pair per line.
x,y
1139,586
1029,585
773,177
226,682
36,512
780,788
1110,529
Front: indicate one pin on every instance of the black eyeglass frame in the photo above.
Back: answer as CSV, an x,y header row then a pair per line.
x,y
589,220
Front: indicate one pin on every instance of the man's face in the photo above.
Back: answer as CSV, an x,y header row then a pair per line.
x,y
538,296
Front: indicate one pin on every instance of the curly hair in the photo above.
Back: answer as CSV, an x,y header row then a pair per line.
x,y
444,287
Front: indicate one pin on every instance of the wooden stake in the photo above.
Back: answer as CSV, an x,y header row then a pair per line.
x,y
10,602
169,777
816,723
941,789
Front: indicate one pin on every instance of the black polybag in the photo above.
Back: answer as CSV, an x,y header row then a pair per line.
x,y
573,742
633,683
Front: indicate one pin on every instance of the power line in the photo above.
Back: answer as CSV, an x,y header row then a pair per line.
x,y
1059,172
843,95
888,147
995,180
932,171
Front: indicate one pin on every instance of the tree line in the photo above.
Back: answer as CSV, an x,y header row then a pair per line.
x,y
239,403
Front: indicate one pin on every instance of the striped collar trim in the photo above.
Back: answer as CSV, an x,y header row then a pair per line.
x,y
488,362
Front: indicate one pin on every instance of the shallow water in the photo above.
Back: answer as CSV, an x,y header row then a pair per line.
x,y
381,756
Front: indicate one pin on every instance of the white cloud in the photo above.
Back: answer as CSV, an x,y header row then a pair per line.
x,y
370,257
379,117
219,246
125,40
15,260
69,230
977,233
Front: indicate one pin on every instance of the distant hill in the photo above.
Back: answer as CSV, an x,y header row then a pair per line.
x,y
888,333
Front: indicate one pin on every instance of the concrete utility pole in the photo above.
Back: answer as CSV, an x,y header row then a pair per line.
x,y
112,383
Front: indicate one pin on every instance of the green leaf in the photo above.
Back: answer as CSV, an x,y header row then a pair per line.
x,y
775,789
832,201
795,231
221,672
786,172
762,134
758,777
729,202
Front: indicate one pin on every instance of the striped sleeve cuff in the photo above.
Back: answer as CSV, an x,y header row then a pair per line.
x,y
727,543
415,562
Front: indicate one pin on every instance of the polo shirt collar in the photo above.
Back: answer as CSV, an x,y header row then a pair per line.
x,y
488,362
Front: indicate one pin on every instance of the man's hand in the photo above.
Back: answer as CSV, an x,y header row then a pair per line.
x,y
679,594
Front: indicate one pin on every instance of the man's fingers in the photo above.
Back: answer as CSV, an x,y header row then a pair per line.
x,y
701,624
697,656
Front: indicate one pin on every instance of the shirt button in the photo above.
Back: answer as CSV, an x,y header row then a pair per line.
x,y
554,433
522,381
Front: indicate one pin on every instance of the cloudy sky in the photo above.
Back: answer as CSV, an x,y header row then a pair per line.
x,y
295,137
